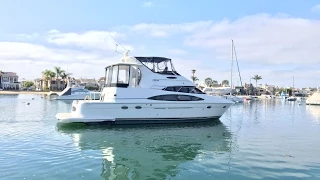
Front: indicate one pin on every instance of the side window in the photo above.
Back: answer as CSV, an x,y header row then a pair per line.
x,y
184,89
184,98
169,97
107,76
175,97
170,89
114,77
139,76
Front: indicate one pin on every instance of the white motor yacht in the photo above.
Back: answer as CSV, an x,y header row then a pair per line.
x,y
142,90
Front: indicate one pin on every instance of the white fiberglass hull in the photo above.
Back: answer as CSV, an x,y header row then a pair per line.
x,y
95,96
143,112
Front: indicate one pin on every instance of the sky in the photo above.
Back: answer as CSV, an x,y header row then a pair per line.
x,y
278,40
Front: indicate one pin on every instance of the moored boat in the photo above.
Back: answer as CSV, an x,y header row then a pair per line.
x,y
141,90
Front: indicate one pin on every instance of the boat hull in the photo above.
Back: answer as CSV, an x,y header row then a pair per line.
x,y
141,113
93,96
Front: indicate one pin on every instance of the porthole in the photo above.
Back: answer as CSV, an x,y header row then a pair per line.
x,y
124,107
138,107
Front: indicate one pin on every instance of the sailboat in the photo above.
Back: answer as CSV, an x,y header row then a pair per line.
x,y
232,97
292,98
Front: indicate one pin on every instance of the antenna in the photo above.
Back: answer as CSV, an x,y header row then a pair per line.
x,y
117,44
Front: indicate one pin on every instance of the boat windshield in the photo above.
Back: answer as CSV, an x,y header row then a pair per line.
x,y
117,76
159,65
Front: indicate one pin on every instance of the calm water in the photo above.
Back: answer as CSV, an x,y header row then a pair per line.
x,y
265,139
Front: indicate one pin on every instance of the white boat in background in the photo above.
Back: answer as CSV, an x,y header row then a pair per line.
x,y
237,99
142,90
314,99
248,98
291,98
284,95
75,92
214,91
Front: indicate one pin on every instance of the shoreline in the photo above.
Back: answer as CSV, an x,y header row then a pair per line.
x,y
5,92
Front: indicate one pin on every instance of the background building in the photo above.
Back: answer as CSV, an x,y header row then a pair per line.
x,y
9,80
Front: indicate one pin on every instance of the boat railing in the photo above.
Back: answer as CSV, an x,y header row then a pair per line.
x,y
91,96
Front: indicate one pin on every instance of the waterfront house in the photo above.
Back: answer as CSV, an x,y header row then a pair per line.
x,y
53,84
9,80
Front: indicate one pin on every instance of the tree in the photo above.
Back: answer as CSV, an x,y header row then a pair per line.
x,y
65,75
208,81
256,78
28,84
58,71
194,78
225,82
48,74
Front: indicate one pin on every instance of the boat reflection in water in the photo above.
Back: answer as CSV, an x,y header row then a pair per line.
x,y
150,152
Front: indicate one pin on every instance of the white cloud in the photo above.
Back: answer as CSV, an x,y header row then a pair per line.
x,y
316,8
101,40
280,41
260,38
29,60
148,4
263,38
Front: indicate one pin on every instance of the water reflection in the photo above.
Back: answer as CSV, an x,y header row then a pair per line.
x,y
149,152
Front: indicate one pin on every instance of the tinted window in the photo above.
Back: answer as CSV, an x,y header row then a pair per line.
x,y
184,89
175,97
170,89
184,98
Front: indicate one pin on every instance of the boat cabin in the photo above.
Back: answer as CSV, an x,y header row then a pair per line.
x,y
128,72
123,75
159,65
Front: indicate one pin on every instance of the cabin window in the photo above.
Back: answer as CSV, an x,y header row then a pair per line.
x,y
135,77
118,76
123,75
175,97
114,76
139,76
184,89
108,77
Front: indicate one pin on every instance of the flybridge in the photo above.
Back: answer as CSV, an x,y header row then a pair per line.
x,y
159,65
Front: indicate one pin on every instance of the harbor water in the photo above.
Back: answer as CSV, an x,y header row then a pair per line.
x,y
260,139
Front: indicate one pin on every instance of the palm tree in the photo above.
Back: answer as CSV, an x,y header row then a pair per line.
x,y
48,75
256,78
65,76
193,77
58,71
225,82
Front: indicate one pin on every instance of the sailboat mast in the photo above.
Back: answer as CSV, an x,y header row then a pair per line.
x,y
293,85
231,64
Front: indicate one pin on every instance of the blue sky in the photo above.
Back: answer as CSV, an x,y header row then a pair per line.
x,y
275,39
